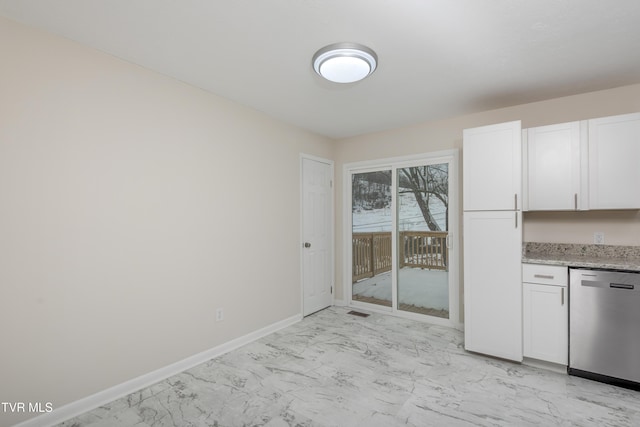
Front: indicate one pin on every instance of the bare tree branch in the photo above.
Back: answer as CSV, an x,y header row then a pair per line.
x,y
426,182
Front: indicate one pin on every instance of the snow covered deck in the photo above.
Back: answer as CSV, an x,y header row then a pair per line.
x,y
371,252
420,291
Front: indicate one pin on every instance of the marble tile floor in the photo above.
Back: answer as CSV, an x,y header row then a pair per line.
x,y
336,369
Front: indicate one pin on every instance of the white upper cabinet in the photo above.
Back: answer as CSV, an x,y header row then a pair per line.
x,y
492,167
614,162
551,167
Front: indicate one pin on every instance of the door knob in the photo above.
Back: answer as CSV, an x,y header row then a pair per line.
x,y
307,244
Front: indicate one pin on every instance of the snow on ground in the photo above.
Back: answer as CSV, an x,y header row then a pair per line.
x,y
410,217
422,288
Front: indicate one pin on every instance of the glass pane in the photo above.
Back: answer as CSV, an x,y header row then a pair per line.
x,y
423,278
371,237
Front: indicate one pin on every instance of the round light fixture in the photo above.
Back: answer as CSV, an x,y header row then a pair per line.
x,y
345,62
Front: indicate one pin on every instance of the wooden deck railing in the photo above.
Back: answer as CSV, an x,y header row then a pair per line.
x,y
423,249
371,252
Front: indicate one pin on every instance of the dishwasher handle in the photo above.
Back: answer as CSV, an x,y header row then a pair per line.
x,y
621,286
606,284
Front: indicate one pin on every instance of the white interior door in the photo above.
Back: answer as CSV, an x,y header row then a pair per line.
x,y
317,235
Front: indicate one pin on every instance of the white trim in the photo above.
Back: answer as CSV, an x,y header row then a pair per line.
x,y
364,306
380,163
304,156
316,158
361,305
394,240
103,397
455,243
347,228
445,156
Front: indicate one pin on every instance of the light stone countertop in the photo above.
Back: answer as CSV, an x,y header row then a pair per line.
x,y
581,255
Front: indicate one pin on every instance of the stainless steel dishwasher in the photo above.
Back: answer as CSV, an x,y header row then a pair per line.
x,y
604,326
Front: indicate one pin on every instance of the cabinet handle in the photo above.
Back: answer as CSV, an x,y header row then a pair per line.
x,y
515,199
516,219
562,296
543,276
575,201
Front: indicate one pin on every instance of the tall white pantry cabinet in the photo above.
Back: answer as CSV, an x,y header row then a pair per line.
x,y
492,171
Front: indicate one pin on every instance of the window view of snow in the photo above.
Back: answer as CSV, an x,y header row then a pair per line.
x,y
371,195
422,203
371,198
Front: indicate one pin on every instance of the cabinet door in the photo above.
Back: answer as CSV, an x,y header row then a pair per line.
x,y
492,167
492,283
545,322
552,163
614,168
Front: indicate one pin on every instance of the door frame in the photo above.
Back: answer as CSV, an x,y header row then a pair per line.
x,y
394,163
349,169
332,226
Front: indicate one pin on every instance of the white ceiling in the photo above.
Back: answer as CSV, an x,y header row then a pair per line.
x,y
437,58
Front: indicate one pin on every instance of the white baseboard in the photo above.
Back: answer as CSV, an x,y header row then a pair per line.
x,y
101,398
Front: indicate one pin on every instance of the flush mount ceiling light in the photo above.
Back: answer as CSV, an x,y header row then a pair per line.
x,y
345,62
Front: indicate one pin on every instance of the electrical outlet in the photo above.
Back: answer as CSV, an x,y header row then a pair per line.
x,y
219,314
598,238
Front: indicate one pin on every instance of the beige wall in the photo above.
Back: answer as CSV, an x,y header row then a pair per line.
x,y
619,227
622,228
131,207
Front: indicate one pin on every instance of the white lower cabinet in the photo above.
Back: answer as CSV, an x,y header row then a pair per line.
x,y
545,313
492,278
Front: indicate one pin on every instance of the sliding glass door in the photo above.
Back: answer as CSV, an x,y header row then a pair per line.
x,y
423,278
371,213
400,248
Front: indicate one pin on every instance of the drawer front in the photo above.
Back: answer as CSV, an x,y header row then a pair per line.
x,y
545,274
